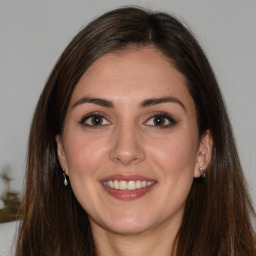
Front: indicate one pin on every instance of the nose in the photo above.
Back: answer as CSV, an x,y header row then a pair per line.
x,y
127,146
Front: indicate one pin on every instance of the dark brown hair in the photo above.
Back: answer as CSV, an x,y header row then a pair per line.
x,y
218,211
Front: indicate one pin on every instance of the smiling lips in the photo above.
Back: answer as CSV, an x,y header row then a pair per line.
x,y
127,188
128,185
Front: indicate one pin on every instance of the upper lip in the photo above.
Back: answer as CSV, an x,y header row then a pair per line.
x,y
126,177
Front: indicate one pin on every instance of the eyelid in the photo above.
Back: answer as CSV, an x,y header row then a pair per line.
x,y
94,114
167,116
170,119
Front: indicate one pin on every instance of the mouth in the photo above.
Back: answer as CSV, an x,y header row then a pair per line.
x,y
127,187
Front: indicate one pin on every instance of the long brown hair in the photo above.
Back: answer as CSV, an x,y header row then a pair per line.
x,y
218,212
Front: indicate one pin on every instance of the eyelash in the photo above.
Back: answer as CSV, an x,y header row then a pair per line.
x,y
94,115
165,116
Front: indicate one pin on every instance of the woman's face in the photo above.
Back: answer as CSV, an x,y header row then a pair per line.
x,y
130,144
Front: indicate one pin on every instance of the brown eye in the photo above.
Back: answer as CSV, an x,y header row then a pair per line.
x,y
160,121
95,120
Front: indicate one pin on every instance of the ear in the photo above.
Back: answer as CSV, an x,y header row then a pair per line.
x,y
61,153
204,153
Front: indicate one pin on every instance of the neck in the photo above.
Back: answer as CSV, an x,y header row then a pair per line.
x,y
159,241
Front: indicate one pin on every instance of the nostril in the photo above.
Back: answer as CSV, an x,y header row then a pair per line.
x,y
127,156
127,159
126,147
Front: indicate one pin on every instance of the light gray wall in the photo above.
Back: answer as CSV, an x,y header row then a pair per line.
x,y
34,33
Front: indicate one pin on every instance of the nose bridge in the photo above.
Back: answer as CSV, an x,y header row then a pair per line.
x,y
126,146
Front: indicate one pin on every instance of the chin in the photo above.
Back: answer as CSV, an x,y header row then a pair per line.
x,y
124,225
128,228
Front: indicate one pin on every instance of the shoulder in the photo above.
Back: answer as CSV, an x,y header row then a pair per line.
x,y
7,237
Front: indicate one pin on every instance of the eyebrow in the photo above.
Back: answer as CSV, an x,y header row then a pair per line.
x,y
145,103
155,101
97,101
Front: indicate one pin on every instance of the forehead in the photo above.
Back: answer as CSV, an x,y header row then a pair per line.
x,y
136,73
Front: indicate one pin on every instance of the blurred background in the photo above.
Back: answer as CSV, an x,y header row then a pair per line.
x,y
34,33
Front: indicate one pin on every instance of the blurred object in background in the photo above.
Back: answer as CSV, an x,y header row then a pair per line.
x,y
11,200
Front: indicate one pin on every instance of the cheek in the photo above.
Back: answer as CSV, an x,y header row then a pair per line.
x,y
85,163
175,155
85,155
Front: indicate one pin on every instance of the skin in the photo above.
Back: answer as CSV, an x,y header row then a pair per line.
x,y
128,142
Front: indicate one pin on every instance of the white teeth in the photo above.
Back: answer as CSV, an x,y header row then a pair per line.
x,y
111,183
123,185
138,184
116,184
131,185
128,185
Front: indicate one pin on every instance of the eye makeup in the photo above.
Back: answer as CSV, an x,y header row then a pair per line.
x,y
94,120
161,120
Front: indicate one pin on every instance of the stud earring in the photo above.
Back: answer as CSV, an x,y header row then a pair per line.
x,y
202,173
65,178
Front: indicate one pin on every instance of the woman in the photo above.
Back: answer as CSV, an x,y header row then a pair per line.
x,y
131,151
